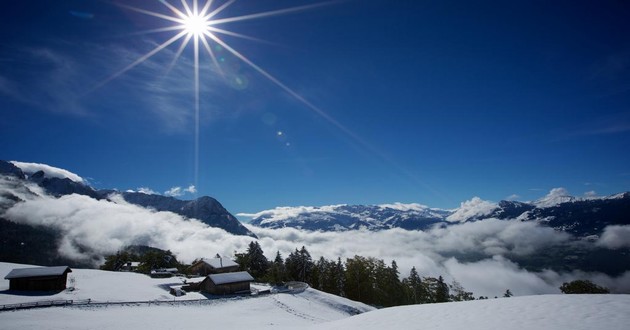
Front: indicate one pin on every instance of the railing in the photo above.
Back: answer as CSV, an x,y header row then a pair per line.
x,y
47,303
291,287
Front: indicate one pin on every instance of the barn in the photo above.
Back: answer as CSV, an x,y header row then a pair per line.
x,y
207,266
38,278
227,283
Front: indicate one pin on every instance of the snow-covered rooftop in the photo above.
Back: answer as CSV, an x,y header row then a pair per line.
x,y
37,272
220,262
230,278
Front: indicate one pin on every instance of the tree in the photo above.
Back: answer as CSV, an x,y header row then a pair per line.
x,y
277,272
256,261
416,290
299,265
458,293
582,286
442,292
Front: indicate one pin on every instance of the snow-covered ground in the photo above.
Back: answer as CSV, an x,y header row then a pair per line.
x,y
311,309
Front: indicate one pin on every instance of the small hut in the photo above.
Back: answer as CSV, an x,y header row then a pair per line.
x,y
227,283
38,278
207,266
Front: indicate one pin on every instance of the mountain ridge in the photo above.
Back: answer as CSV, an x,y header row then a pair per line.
x,y
58,182
580,216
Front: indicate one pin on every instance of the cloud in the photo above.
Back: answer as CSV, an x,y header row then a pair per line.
x,y
191,189
91,229
473,208
179,191
513,197
147,191
174,192
615,237
49,171
590,194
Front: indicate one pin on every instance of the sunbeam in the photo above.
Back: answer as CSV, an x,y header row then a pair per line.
x,y
200,26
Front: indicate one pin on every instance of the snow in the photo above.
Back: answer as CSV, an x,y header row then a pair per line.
x,y
573,312
231,278
474,208
220,262
555,197
49,171
405,207
36,272
310,309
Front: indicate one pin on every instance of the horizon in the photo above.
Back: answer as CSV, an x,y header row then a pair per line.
x,y
324,102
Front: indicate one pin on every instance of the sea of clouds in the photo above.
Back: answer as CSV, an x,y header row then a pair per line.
x,y
91,229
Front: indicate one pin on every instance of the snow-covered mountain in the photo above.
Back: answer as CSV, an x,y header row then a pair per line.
x,y
579,216
349,217
59,182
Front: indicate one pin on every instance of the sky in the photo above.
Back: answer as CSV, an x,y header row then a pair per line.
x,y
353,102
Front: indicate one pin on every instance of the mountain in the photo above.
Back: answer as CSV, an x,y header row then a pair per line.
x,y
578,216
58,182
350,217
206,209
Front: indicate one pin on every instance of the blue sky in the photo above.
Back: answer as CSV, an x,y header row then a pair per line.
x,y
410,101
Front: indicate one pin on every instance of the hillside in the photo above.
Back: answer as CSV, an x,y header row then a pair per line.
x,y
311,309
268,311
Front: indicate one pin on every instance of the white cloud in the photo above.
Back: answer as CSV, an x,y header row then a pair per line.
x,y
554,197
147,191
49,171
91,229
191,189
286,212
174,192
615,237
513,197
590,194
475,207
179,191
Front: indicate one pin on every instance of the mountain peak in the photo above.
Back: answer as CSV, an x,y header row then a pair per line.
x,y
555,197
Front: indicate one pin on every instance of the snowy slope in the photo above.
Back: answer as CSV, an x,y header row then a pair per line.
x,y
532,312
284,311
311,309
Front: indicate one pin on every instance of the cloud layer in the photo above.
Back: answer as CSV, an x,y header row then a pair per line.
x,y
49,171
103,227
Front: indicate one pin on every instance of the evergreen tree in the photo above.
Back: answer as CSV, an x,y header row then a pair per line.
x,y
256,261
442,291
277,271
582,286
458,293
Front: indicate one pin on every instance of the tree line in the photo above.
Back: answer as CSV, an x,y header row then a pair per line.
x,y
365,279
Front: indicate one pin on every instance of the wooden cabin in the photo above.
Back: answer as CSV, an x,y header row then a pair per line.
x,y
207,266
38,278
227,283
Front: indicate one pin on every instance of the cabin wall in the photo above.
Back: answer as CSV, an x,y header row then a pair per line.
x,y
56,283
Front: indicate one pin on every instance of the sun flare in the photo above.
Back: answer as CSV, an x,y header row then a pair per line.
x,y
200,24
195,25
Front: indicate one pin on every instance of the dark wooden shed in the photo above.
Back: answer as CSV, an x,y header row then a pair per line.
x,y
38,278
227,283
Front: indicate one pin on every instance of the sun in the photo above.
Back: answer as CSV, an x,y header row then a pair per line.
x,y
195,25
199,24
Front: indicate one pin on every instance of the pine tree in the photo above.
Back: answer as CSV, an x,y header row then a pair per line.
x,y
277,272
256,261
